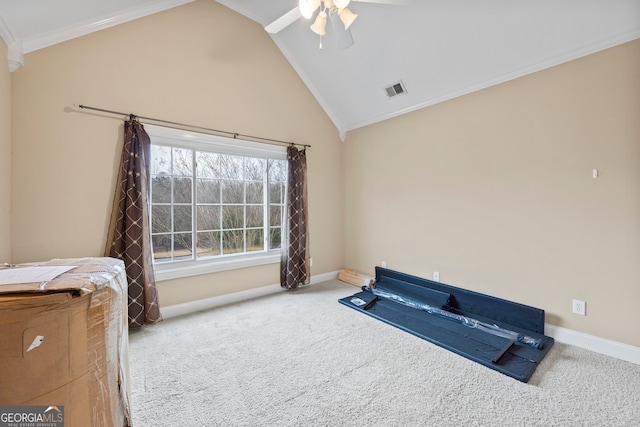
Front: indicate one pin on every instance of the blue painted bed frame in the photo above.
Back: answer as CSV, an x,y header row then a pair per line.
x,y
501,354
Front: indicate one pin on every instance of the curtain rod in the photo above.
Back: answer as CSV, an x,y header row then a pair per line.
x,y
184,125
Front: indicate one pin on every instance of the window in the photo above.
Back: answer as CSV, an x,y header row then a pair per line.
x,y
215,203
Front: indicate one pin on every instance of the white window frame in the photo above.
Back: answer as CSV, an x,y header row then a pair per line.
x,y
179,138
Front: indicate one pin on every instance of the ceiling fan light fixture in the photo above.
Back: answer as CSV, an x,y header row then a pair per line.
x,y
342,38
341,4
307,7
320,23
347,17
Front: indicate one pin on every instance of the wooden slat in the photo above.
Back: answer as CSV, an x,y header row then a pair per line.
x,y
354,278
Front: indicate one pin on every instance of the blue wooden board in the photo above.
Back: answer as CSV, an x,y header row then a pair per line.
x,y
501,354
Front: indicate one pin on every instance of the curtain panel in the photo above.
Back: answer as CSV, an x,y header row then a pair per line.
x,y
294,264
129,233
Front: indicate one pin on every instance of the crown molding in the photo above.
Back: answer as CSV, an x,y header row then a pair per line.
x,y
507,76
16,56
14,47
50,38
6,33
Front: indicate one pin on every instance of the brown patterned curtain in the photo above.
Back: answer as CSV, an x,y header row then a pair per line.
x,y
294,266
129,234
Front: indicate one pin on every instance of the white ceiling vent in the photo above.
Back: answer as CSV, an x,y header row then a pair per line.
x,y
395,89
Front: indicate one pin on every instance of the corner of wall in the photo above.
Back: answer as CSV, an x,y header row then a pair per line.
x,y
5,155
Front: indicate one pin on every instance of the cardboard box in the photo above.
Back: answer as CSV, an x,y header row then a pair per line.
x,y
64,342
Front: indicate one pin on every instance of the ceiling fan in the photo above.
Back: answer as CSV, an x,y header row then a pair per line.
x,y
335,11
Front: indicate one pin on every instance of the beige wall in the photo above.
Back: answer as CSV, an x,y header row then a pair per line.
x,y
495,191
200,64
5,155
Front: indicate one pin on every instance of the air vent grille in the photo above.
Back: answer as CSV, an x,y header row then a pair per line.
x,y
395,89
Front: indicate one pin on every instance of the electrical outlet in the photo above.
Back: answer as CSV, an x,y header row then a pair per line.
x,y
579,307
436,276
383,264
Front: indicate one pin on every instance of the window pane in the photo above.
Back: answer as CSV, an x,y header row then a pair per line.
x,y
208,191
232,217
255,240
161,219
277,170
161,189
208,204
275,216
276,193
254,192
161,247
255,216
275,238
231,167
208,217
232,192
182,218
182,162
254,169
160,160
208,165
182,246
232,241
182,190
209,243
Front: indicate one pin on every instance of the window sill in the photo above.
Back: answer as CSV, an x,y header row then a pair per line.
x,y
173,271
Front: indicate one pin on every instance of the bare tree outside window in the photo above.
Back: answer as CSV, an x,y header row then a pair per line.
x,y
277,178
206,204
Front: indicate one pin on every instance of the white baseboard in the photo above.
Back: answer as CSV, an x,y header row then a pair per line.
x,y
615,349
217,301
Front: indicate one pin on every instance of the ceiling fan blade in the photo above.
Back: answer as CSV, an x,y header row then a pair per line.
x,y
284,21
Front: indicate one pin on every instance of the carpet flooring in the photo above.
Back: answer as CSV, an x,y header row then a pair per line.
x,y
302,359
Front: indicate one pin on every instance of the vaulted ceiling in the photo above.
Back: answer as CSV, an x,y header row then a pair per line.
x,y
439,49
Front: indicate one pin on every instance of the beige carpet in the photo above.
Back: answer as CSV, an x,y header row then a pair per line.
x,y
302,359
